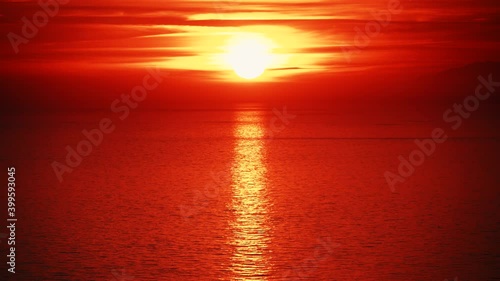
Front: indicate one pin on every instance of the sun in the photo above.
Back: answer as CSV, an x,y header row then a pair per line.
x,y
249,55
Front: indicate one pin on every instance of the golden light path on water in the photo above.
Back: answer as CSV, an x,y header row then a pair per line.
x,y
251,231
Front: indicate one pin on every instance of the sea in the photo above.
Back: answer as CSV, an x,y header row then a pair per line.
x,y
254,192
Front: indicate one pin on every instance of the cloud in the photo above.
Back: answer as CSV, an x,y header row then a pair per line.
x,y
187,35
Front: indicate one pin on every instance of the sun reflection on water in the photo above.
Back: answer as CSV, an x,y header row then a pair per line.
x,y
249,204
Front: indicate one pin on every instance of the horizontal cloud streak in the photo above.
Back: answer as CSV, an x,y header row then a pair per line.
x,y
187,35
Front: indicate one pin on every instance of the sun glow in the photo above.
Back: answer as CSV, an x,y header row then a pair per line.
x,y
249,55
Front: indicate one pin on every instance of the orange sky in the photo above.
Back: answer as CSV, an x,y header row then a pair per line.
x,y
311,37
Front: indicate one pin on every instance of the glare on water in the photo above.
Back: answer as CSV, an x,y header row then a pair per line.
x,y
250,229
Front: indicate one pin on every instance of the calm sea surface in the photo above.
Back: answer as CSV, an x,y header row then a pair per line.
x,y
242,194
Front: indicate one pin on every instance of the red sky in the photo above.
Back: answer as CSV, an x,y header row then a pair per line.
x,y
185,37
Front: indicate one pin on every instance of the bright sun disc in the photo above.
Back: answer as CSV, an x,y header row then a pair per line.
x,y
249,55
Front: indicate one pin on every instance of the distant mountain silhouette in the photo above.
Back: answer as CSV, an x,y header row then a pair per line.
x,y
458,81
